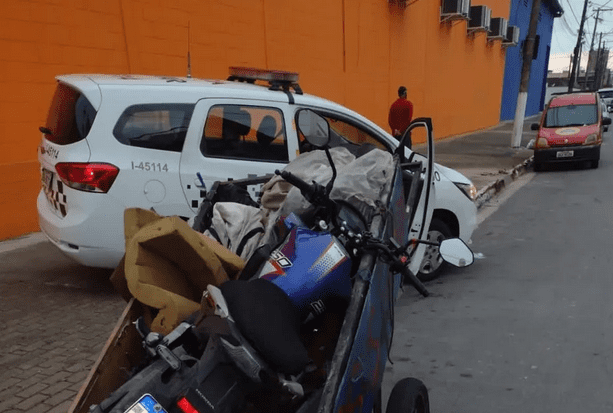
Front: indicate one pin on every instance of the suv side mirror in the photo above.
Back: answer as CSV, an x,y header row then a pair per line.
x,y
456,252
534,126
315,128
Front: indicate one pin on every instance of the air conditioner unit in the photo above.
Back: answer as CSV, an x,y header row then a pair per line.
x,y
512,37
454,9
498,28
480,17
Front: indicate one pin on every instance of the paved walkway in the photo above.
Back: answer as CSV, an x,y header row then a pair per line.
x,y
486,157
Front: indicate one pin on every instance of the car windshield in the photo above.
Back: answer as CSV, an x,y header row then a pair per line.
x,y
571,115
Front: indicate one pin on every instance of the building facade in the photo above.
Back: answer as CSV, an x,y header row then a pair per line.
x,y
355,52
520,17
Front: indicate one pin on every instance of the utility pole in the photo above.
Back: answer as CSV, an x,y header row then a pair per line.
x,y
578,74
599,64
598,10
579,38
522,96
589,57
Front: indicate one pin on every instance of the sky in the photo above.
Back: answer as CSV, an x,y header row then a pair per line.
x,y
566,29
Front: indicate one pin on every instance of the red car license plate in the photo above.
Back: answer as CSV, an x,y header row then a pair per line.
x,y
565,154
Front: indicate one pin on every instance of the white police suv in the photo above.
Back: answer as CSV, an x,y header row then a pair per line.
x,y
112,142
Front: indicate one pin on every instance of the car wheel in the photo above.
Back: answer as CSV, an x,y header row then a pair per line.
x,y
408,396
432,265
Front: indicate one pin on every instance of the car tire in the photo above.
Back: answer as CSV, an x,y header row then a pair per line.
x,y
432,264
594,164
409,395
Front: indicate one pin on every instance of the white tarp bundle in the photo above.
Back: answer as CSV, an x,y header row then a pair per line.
x,y
363,181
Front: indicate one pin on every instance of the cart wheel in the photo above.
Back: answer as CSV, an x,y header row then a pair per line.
x,y
408,396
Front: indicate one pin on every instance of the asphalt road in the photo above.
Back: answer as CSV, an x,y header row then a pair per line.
x,y
529,327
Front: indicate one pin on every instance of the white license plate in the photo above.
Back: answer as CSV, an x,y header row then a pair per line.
x,y
47,178
146,404
565,154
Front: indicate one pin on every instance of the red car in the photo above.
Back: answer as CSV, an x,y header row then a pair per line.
x,y
570,130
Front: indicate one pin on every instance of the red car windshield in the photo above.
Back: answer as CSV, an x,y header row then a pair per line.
x,y
571,115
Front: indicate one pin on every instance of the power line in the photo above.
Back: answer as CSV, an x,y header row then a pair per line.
x,y
567,26
572,11
601,6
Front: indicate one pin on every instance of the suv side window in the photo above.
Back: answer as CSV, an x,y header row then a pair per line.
x,y
342,133
245,132
154,126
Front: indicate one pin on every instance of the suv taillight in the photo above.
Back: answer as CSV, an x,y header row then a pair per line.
x,y
90,177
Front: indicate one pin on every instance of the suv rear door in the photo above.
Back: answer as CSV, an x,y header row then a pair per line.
x,y
69,122
234,139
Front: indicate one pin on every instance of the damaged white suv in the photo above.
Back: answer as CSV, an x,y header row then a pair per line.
x,y
113,142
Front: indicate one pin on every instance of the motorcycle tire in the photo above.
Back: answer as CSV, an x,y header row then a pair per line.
x,y
433,264
409,395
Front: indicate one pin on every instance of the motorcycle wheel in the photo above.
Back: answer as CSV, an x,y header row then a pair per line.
x,y
432,265
409,395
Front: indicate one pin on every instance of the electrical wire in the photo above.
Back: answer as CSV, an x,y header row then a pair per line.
x,y
567,26
572,11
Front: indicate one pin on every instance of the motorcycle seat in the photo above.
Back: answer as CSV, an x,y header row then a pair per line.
x,y
269,320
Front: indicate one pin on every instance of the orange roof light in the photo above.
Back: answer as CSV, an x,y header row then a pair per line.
x,y
277,79
251,73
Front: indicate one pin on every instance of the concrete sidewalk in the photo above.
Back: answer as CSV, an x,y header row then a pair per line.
x,y
486,157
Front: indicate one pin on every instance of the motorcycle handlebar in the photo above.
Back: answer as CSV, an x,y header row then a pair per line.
x,y
306,188
418,285
314,194
399,266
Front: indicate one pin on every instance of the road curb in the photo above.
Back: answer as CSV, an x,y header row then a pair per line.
x,y
493,189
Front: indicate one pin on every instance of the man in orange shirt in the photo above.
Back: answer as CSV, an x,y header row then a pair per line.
x,y
401,114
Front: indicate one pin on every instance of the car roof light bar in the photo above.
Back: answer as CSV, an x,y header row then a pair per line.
x,y
277,79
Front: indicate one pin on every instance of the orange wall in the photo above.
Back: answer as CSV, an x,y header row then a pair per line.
x,y
355,52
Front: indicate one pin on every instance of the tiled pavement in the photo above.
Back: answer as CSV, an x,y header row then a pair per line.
x,y
51,336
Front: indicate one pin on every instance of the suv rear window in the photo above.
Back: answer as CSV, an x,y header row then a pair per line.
x,y
155,126
70,116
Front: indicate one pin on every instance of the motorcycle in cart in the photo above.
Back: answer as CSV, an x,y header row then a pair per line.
x,y
308,323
